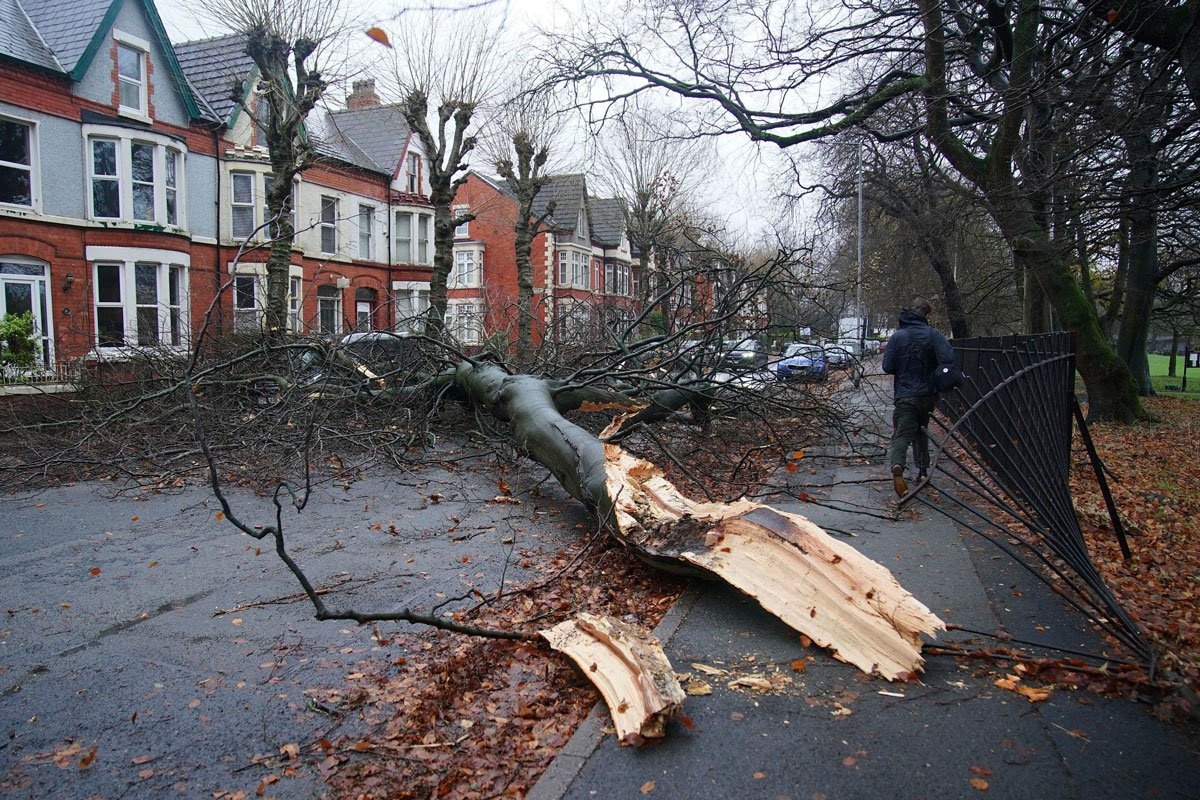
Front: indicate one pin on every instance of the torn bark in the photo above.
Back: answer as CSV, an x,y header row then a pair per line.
x,y
814,583
628,666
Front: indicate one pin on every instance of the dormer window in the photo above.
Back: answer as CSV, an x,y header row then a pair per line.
x,y
132,75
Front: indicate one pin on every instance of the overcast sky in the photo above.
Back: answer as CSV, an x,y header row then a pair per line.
x,y
741,183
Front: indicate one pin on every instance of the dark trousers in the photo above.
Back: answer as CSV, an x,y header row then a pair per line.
x,y
910,420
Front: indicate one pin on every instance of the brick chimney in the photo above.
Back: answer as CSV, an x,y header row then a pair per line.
x,y
363,95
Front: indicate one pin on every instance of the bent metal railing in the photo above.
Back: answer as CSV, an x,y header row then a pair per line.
x,y
1005,451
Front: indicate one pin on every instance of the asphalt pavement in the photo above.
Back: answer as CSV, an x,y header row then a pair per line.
x,y
828,731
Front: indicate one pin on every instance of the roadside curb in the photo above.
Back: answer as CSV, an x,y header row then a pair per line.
x,y
566,765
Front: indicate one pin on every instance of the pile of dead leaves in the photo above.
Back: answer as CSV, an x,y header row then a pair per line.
x,y
453,717
1154,474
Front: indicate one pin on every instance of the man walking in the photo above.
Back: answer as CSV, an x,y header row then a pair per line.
x,y
912,354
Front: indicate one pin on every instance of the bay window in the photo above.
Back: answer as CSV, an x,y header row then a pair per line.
x,y
411,234
412,305
135,177
139,296
573,269
468,268
463,322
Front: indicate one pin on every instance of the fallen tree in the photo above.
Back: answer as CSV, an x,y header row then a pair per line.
x,y
822,588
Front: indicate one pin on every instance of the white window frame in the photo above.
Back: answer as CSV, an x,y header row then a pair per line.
x,y
366,232
140,47
171,319
462,231
334,303
410,296
36,274
327,223
249,180
32,168
412,177
416,247
467,272
295,299
124,140
464,320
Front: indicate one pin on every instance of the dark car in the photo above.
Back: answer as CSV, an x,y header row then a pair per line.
x,y
802,362
741,355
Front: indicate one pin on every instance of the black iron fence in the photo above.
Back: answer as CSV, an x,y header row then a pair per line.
x,y
1005,457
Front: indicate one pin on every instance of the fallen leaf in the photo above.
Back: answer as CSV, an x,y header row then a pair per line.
x,y
89,759
379,35
980,784
94,571
146,773
849,761
236,621
982,772
647,787
758,776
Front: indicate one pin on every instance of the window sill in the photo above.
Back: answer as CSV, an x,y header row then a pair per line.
x,y
134,114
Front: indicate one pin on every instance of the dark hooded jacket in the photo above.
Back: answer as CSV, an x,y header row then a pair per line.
x,y
911,355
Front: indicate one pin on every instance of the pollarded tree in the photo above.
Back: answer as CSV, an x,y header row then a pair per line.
x,y
289,41
446,67
526,129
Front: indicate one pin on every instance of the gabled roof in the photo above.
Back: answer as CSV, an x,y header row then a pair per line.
x,y
569,192
19,39
65,35
214,66
69,27
378,133
608,220
497,183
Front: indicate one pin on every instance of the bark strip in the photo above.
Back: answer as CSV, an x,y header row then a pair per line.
x,y
628,666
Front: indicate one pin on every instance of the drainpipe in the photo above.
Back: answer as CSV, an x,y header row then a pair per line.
x,y
217,247
387,226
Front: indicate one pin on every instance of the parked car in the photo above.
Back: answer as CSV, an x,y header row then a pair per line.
x,y
838,357
802,362
740,355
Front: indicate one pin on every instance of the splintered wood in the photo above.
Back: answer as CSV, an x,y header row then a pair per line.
x,y
628,666
814,583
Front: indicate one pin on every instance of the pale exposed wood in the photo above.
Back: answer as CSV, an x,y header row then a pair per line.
x,y
628,666
814,583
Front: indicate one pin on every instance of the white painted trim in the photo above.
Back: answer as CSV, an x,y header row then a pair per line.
x,y
130,254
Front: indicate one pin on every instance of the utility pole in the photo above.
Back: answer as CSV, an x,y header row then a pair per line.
x,y
858,306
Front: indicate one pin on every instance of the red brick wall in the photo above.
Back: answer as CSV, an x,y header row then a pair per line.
x,y
493,225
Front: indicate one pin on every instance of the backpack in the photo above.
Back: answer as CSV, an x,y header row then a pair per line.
x,y
947,377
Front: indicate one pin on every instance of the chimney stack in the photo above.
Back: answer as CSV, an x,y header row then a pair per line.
x,y
363,95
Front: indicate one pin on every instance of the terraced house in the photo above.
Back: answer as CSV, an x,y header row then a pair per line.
x,y
583,273
132,189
